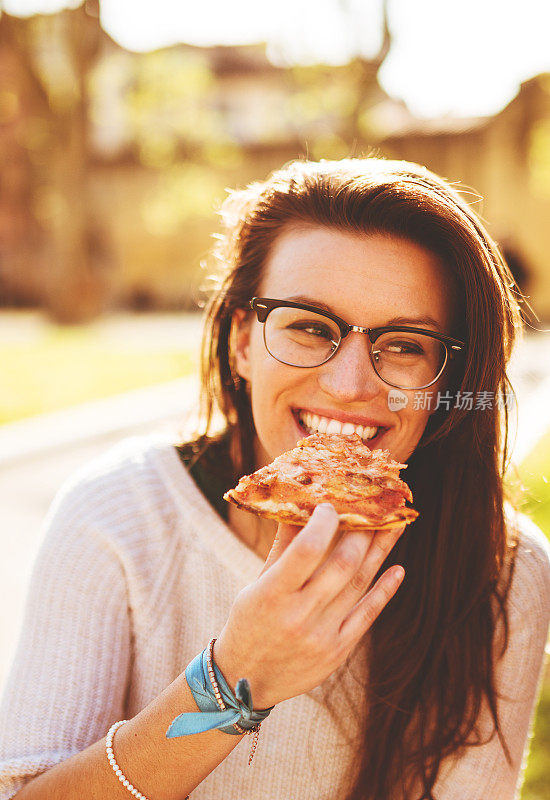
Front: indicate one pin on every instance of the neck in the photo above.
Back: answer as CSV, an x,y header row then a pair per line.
x,y
257,533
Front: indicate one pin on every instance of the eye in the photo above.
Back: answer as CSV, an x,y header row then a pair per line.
x,y
392,346
403,348
313,328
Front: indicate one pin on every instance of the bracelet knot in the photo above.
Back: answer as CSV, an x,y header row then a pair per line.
x,y
220,708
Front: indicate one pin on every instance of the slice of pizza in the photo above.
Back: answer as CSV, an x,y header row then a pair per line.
x,y
363,485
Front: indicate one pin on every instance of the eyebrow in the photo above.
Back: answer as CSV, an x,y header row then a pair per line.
x,y
425,319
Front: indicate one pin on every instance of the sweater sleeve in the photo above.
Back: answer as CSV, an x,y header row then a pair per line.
x,y
483,771
68,680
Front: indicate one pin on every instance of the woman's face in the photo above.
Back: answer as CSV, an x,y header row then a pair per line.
x,y
368,280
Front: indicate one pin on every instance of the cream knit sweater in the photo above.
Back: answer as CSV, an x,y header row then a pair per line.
x,y
136,573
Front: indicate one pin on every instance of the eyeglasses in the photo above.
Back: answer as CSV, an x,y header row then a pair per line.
x,y
303,335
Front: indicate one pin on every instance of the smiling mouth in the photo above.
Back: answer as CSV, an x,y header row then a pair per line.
x,y
313,423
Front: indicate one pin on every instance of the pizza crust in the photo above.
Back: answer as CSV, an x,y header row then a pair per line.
x,y
296,516
363,485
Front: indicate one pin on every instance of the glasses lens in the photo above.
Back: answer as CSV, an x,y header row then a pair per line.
x,y
408,360
301,338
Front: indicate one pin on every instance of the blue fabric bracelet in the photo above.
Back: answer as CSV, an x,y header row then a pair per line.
x,y
239,707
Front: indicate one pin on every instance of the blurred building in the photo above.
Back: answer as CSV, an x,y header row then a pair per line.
x,y
112,162
505,161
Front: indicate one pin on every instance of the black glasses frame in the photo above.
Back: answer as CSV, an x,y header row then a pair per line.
x,y
262,306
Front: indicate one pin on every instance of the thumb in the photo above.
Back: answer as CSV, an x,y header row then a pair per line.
x,y
285,534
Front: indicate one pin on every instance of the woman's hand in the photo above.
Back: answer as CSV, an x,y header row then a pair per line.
x,y
297,623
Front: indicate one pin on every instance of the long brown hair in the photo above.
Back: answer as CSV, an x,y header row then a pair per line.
x,y
433,648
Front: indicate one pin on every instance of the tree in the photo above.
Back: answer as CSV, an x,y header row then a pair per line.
x,y
333,104
51,58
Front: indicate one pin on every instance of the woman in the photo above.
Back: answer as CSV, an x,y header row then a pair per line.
x,y
382,687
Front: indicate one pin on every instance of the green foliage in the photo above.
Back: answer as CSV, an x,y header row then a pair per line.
x,y
537,780
322,94
534,474
185,193
171,106
539,158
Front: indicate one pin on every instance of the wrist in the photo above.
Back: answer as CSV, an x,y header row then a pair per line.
x,y
233,670
220,707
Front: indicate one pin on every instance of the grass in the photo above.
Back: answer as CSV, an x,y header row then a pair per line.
x,y
537,778
68,365
534,474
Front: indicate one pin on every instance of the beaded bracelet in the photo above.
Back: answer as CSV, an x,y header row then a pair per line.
x,y
219,706
256,729
112,761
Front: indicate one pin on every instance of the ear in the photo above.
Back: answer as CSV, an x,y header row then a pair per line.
x,y
241,342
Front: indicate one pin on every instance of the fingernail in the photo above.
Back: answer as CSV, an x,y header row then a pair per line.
x,y
398,574
325,505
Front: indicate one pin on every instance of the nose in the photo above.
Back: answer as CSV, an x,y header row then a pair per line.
x,y
349,375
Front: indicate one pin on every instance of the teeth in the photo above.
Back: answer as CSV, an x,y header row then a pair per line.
x,y
334,426
369,433
315,424
322,425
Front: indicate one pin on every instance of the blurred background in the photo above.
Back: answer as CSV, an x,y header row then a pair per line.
x,y
118,138
123,123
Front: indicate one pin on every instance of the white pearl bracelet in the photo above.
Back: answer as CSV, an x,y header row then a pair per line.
x,y
112,761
